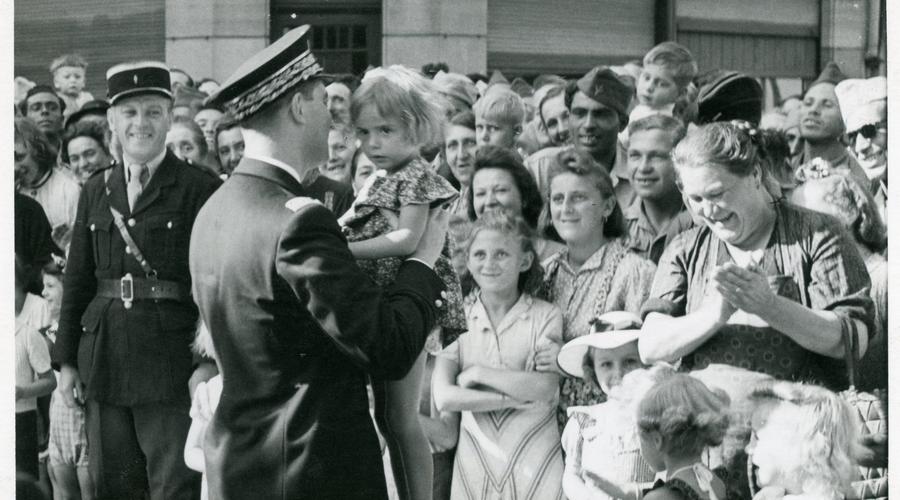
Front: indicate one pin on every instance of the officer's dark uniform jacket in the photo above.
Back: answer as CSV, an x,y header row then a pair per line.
x,y
297,326
141,354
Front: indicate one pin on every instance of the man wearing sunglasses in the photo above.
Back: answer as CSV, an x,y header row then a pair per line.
x,y
864,107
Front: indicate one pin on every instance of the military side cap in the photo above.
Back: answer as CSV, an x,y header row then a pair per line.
x,y
268,75
94,107
830,74
456,85
131,79
604,86
497,77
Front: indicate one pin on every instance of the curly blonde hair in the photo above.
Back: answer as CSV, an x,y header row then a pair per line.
x,y
401,92
818,431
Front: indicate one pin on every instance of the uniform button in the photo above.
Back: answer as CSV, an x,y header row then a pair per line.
x,y
443,294
131,222
128,250
93,227
143,262
438,303
169,225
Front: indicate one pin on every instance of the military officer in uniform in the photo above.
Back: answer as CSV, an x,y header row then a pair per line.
x,y
296,325
127,318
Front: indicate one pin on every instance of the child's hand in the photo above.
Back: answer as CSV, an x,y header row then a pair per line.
x,y
18,393
545,357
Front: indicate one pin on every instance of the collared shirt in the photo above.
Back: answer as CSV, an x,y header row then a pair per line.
x,y
512,343
278,163
152,165
646,240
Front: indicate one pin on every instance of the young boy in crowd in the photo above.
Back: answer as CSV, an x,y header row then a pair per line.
x,y
68,74
499,117
668,70
341,147
34,378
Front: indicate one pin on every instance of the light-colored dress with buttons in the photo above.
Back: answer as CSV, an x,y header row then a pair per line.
x,y
603,439
613,279
510,453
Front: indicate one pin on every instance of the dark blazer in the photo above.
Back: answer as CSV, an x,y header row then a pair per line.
x,y
142,354
297,326
33,244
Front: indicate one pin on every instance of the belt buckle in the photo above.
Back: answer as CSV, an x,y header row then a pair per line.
x,y
126,290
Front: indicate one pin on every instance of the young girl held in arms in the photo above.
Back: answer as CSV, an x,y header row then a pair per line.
x,y
395,112
508,440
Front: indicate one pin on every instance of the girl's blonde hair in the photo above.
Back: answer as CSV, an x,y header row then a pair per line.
x,y
686,413
401,92
824,429
506,223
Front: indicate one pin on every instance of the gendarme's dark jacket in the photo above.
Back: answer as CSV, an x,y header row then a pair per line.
x,y
139,355
297,326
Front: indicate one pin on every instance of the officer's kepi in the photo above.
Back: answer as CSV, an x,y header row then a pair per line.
x,y
137,78
269,74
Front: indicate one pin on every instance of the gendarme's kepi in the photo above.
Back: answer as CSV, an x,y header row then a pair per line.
x,y
136,78
269,74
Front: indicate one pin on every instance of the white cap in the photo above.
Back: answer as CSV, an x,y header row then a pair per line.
x,y
862,102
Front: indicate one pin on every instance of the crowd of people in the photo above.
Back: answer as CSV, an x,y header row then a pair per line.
x,y
633,283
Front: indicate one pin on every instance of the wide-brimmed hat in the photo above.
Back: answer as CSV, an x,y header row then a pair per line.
x,y
618,328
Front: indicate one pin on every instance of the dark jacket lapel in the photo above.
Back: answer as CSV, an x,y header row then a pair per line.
x,y
116,191
269,172
164,176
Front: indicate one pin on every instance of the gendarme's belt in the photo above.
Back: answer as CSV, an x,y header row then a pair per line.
x,y
128,289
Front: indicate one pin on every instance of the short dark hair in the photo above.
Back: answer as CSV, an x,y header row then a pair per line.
x,y
226,123
87,129
503,159
41,89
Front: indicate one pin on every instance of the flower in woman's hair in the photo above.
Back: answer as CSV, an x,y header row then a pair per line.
x,y
817,168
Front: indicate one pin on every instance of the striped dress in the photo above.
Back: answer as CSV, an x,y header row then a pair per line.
x,y
511,453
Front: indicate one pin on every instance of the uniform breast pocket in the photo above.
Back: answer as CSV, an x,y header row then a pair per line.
x,y
167,238
101,239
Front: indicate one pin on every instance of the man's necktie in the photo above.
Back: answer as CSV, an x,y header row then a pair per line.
x,y
138,178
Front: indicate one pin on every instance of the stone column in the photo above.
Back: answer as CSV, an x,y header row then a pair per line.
x,y
211,38
843,31
416,32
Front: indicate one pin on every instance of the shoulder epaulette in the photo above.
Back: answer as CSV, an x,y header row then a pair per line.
x,y
295,204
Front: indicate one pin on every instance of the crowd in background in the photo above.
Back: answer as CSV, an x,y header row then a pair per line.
x,y
650,278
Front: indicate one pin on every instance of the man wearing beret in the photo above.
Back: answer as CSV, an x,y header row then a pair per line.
x,y
127,319
297,326
598,111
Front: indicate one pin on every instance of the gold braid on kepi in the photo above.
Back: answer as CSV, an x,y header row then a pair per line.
x,y
274,86
269,74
